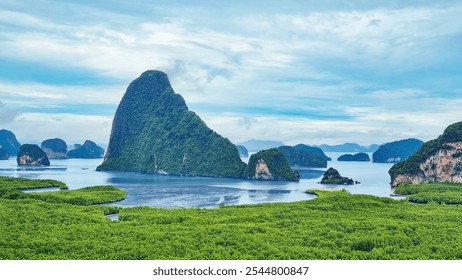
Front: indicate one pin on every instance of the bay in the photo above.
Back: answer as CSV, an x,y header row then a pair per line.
x,y
199,192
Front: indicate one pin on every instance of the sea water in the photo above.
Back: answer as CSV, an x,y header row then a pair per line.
x,y
186,192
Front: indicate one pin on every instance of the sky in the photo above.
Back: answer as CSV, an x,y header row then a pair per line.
x,y
309,72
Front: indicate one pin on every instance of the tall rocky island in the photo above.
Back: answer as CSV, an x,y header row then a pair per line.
x,y
438,160
154,132
32,155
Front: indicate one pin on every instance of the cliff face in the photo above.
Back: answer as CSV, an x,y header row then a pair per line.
x,y
270,164
32,155
438,160
154,132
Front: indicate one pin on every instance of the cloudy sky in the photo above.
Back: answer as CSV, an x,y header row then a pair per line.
x,y
308,72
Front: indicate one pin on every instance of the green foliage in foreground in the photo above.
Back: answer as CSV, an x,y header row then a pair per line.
x,y
8,183
336,225
10,189
85,196
448,193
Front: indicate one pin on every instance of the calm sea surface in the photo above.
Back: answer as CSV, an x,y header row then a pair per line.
x,y
187,192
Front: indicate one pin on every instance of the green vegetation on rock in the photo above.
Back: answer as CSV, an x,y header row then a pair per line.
x,y
333,177
315,150
302,158
154,132
412,166
269,164
396,151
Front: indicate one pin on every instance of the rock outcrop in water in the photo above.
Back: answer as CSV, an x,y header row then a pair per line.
x,y
154,132
31,155
9,142
4,155
88,150
333,177
270,164
438,160
396,151
55,148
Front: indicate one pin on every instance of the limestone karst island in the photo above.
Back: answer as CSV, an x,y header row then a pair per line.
x,y
154,132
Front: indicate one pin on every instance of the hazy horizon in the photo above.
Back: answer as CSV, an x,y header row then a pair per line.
x,y
361,72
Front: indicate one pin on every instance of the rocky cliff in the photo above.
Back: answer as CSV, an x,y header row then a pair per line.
x,y
31,155
55,148
9,142
438,160
270,164
154,132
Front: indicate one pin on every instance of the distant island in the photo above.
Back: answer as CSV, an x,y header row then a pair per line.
x,y
154,132
89,149
55,148
312,149
396,151
302,158
9,142
243,152
348,147
355,157
438,160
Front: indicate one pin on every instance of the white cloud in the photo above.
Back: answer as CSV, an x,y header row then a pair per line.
x,y
38,94
36,127
316,72
7,115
